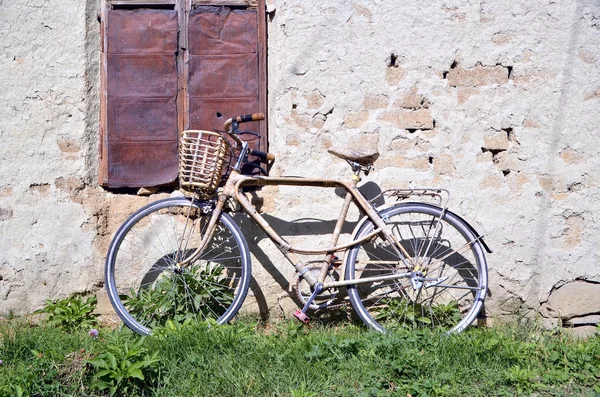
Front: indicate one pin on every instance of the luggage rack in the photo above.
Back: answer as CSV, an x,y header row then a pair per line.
x,y
441,197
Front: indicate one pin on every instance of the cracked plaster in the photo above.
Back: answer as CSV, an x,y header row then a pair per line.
x,y
496,101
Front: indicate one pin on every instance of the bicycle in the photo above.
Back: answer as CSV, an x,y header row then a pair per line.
x,y
411,264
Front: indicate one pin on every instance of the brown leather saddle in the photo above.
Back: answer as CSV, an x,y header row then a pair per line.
x,y
364,157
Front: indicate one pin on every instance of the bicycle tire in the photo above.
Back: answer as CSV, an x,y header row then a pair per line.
x,y
433,238
147,288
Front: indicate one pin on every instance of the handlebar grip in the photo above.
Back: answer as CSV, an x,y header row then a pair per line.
x,y
250,117
242,119
263,155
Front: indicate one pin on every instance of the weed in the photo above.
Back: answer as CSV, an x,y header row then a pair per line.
x,y
11,390
163,299
72,313
125,366
407,314
524,378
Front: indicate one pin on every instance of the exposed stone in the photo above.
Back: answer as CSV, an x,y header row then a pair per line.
x,y
375,101
42,189
492,181
571,234
400,144
497,141
356,119
412,100
293,140
575,299
506,162
71,185
560,196
315,100
583,332
571,156
6,213
393,75
586,56
528,123
363,11
477,76
444,164
147,191
593,95
546,182
584,320
68,146
6,191
409,119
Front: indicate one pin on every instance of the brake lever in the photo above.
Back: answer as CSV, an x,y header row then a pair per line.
x,y
248,133
255,166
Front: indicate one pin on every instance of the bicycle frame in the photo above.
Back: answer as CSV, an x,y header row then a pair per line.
x,y
233,189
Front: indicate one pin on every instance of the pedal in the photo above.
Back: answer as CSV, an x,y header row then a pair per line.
x,y
301,316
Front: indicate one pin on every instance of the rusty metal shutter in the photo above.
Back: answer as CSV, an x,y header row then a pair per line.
x,y
167,68
141,97
224,71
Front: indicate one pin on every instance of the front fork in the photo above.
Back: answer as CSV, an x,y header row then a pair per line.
x,y
205,207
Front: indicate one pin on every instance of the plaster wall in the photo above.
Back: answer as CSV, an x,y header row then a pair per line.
x,y
497,101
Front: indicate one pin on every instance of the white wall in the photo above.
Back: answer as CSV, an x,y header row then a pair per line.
x,y
497,101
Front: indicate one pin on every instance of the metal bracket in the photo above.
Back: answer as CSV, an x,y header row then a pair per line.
x,y
441,197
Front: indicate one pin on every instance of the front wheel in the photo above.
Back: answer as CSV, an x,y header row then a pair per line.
x,y
148,286
440,269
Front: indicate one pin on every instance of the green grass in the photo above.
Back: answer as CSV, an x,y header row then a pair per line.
x,y
287,359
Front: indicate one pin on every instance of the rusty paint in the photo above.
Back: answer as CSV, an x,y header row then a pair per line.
x,y
142,95
229,76
222,30
165,70
142,31
138,163
224,78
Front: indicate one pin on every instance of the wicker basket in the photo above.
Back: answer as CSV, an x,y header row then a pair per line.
x,y
202,158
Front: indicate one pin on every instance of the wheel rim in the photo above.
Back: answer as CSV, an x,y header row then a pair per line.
x,y
447,275
148,286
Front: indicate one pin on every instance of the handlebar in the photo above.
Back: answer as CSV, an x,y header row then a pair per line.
x,y
243,119
264,156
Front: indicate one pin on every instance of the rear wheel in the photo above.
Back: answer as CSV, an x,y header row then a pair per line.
x,y
444,276
146,283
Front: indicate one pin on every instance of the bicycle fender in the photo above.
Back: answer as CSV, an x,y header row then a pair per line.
x,y
382,213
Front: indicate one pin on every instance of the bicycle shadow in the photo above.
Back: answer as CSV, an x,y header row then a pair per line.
x,y
292,228
464,273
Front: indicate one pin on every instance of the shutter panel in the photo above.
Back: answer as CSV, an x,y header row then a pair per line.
x,y
141,97
224,71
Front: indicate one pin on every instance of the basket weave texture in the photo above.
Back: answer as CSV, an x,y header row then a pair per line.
x,y
202,158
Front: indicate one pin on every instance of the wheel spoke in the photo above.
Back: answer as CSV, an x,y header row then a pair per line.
x,y
145,283
448,282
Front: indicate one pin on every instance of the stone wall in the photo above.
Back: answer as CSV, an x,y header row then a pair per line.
x,y
497,101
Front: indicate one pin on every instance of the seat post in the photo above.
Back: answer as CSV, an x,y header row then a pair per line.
x,y
356,168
